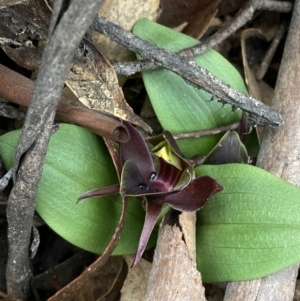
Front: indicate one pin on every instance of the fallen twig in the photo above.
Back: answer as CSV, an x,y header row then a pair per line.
x,y
279,154
271,51
203,133
18,89
187,69
67,29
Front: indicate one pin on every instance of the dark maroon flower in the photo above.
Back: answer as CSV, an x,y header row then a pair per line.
x,y
160,177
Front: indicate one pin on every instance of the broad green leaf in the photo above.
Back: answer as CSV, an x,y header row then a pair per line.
x,y
78,161
179,107
250,229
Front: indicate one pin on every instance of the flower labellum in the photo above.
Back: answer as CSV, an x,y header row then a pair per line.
x,y
160,177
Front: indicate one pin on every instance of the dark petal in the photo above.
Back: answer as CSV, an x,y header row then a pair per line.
x,y
171,177
193,196
175,178
186,176
113,189
132,183
152,215
167,176
230,149
136,150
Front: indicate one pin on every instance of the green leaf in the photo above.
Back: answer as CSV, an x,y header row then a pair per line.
x,y
77,160
250,229
180,107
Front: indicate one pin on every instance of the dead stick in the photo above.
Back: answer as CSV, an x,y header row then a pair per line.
x,y
279,154
67,24
19,89
190,72
271,51
203,133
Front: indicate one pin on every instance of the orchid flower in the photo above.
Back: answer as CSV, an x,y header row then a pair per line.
x,y
161,176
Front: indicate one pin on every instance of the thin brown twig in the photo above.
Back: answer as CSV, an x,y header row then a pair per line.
x,y
215,131
271,51
242,17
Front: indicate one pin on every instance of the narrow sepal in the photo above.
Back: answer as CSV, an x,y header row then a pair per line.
x,y
152,214
113,189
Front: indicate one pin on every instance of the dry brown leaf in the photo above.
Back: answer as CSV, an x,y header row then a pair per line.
x,y
94,82
106,284
267,22
255,87
27,56
62,273
173,275
267,92
251,81
23,25
125,14
201,21
70,291
97,284
176,12
135,285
